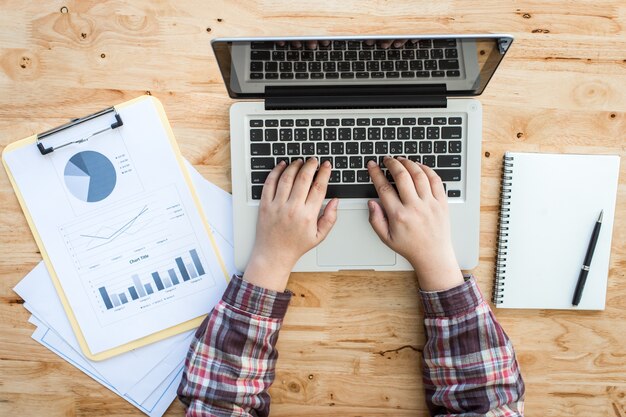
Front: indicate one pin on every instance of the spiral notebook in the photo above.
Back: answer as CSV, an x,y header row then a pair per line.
x,y
549,205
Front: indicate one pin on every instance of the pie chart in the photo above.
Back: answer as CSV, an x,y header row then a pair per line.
x,y
90,176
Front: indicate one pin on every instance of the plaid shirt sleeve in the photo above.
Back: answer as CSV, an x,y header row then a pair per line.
x,y
469,365
231,360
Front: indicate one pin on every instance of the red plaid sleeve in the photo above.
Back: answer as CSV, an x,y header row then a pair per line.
x,y
231,360
469,365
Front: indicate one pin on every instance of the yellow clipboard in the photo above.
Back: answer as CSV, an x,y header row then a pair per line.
x,y
171,331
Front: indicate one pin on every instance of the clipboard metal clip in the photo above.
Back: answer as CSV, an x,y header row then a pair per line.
x,y
44,151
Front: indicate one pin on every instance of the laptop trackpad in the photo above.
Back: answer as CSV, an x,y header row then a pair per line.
x,y
353,242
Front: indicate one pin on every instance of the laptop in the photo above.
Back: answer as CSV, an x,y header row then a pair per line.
x,y
350,100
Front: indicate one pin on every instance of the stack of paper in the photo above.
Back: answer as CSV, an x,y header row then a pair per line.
x,y
146,377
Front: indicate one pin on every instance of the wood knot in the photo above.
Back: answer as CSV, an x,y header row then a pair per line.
x,y
487,154
219,19
102,56
526,16
612,115
310,376
519,135
148,93
482,52
293,387
64,9
541,31
25,62
208,30
83,35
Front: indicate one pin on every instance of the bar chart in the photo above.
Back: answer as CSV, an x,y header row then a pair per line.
x,y
183,268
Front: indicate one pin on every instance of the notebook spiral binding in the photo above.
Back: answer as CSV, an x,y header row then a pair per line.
x,y
503,229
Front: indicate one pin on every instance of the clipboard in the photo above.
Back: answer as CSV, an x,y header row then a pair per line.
x,y
40,142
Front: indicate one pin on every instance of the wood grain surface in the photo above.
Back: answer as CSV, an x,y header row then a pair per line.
x,y
352,341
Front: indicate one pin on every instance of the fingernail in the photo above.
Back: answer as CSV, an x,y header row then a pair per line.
x,y
371,163
397,44
400,158
281,163
326,163
386,157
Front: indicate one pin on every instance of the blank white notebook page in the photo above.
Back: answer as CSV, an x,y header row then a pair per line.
x,y
555,201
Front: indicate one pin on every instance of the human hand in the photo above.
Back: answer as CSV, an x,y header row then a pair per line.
x,y
414,222
289,224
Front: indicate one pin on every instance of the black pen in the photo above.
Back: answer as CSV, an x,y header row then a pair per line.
x,y
582,278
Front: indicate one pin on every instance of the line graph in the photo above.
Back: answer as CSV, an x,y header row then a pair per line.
x,y
116,233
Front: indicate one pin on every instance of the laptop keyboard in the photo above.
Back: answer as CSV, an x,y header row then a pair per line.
x,y
349,143
425,58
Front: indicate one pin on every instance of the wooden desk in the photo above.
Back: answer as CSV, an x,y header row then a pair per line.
x,y
351,343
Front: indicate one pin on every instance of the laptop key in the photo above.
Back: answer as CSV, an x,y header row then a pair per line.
x,y
415,158
451,132
302,122
449,174
389,133
323,148
332,122
347,176
262,163
260,149
422,121
351,191
440,146
259,177
454,146
335,176
453,73
308,148
271,135
286,135
341,162
395,147
448,64
393,121
271,123
300,135
347,122
317,122
454,193
336,148
439,121
426,147
330,134
352,148
382,148
356,162
404,133
432,133
260,55
360,133
449,161
455,120
362,175
302,76
410,147
367,148
293,149
256,192
278,56
261,45
256,135
418,133
332,75
429,160
422,74
345,133
278,149
256,66
315,134
363,122
373,133
286,123
286,76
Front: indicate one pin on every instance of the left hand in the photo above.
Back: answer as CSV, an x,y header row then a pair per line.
x,y
289,224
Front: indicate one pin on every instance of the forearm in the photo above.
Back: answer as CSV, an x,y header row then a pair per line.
x,y
231,361
469,365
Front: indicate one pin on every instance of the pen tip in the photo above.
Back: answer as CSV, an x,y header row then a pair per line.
x,y
600,218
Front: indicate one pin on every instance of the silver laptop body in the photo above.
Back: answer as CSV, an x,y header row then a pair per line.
x,y
348,100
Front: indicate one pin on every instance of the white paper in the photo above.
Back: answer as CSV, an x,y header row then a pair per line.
x,y
143,376
155,405
115,216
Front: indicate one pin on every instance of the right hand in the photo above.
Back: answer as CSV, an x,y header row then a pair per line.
x,y
414,221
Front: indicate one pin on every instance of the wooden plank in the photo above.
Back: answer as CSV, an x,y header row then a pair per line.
x,y
351,343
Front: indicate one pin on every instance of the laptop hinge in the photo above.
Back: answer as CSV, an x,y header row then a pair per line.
x,y
355,97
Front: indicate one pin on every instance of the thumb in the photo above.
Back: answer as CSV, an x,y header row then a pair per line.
x,y
378,220
327,220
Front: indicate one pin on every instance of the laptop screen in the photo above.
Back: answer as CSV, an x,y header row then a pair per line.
x,y
464,64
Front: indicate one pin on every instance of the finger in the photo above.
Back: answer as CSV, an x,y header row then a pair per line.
x,y
326,222
420,179
378,220
303,180
269,187
317,193
296,44
325,43
403,179
370,42
386,193
280,43
436,185
285,183
311,44
399,43
385,43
